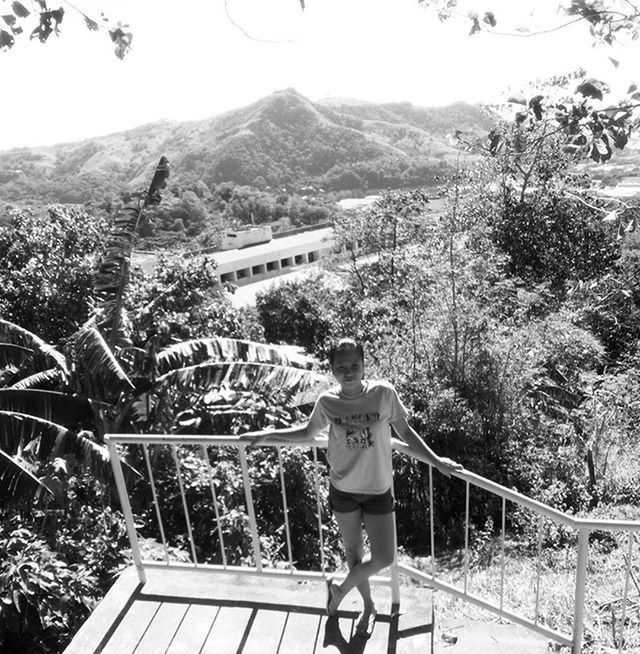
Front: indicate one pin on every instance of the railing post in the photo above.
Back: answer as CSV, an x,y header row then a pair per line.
x,y
253,523
316,482
395,579
126,508
581,578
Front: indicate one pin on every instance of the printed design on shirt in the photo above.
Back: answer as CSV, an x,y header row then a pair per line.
x,y
357,419
358,436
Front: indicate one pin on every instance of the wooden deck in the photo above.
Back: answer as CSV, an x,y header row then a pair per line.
x,y
194,612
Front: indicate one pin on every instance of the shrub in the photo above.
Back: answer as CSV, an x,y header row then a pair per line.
x,y
45,599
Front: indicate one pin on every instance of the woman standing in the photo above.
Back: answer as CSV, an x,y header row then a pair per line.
x,y
360,415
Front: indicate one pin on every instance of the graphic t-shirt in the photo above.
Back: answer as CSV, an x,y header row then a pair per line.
x,y
359,450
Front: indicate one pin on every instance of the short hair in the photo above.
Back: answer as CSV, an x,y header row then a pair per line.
x,y
345,345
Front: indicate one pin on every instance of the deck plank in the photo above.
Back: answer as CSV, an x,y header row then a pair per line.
x,y
228,630
266,632
163,628
301,634
131,630
194,629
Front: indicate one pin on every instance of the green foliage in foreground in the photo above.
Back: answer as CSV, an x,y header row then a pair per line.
x,y
57,562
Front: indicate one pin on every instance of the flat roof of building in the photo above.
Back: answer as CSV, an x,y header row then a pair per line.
x,y
312,239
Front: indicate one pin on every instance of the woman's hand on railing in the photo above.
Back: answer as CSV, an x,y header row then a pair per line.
x,y
447,466
253,438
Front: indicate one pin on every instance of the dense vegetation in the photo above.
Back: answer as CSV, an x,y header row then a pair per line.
x,y
509,323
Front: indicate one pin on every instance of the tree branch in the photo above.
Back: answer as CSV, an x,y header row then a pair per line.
x,y
245,33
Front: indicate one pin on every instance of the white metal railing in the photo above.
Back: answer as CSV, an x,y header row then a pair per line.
x,y
583,528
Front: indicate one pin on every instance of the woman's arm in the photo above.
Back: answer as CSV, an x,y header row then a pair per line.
x,y
299,433
406,432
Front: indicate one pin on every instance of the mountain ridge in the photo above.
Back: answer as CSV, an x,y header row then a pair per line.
x,y
281,140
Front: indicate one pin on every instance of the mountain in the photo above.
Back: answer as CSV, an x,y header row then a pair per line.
x,y
281,140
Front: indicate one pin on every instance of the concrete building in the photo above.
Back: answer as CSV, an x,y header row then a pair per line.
x,y
255,263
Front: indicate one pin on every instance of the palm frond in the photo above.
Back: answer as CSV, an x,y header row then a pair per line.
x,y
16,482
50,405
285,384
11,354
45,380
16,335
195,352
99,365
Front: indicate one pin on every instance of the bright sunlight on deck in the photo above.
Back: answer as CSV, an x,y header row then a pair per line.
x,y
190,612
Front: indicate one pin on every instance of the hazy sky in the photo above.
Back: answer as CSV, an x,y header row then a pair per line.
x,y
189,61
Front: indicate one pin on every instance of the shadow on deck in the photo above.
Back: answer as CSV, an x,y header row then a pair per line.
x,y
194,612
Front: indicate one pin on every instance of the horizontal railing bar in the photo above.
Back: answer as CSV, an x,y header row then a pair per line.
x,y
252,570
514,496
321,441
441,585
214,439
502,491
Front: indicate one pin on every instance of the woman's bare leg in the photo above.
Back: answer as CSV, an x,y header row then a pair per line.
x,y
382,542
351,529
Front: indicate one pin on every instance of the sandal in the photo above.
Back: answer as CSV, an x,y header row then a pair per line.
x,y
365,623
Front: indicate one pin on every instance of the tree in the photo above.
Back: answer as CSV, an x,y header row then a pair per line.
x,y
294,312
46,278
593,126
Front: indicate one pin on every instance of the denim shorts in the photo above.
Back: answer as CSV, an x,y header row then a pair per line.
x,y
342,502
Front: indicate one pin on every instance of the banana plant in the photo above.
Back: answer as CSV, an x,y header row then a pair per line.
x,y
95,394
41,418
59,403
192,373
51,397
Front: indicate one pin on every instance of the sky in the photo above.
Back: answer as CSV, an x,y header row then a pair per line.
x,y
193,59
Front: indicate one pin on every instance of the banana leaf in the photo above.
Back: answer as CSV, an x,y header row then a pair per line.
x,y
46,440
16,482
99,366
45,380
112,276
159,182
11,354
284,384
50,405
16,335
195,352
135,359
17,430
89,455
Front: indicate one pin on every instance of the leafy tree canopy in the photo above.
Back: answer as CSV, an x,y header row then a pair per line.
x,y
41,21
594,124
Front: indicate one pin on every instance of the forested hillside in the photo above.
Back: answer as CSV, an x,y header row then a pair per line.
x,y
283,140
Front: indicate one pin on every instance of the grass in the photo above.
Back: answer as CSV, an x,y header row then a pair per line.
x,y
555,590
